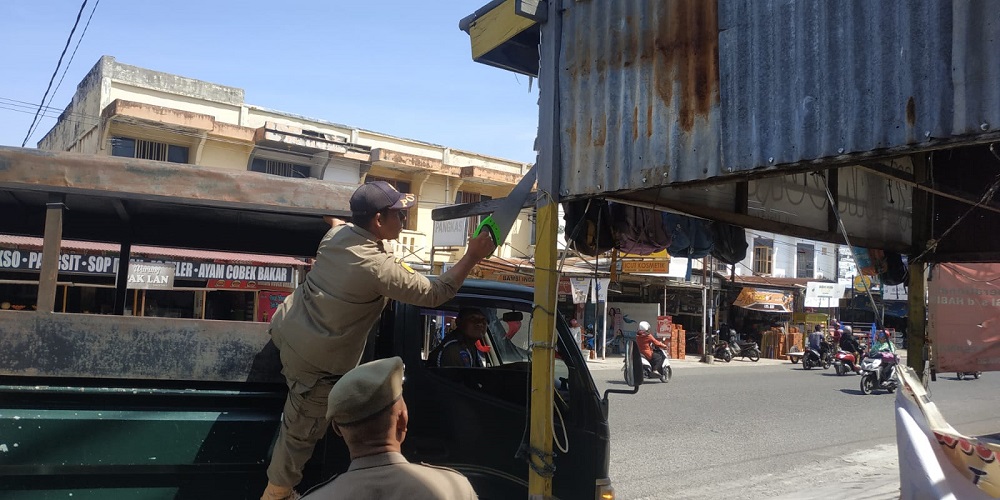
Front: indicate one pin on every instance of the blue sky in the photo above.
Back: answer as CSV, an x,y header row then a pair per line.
x,y
396,66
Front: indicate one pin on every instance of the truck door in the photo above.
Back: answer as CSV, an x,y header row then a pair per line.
x,y
474,417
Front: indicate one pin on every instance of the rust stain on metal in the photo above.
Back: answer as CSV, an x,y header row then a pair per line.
x,y
687,55
635,123
911,112
649,121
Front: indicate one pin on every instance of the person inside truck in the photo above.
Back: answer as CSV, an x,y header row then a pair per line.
x,y
459,348
321,328
367,409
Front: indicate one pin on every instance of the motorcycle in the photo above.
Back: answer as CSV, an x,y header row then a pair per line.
x,y
745,350
878,371
647,369
975,375
819,358
722,351
844,361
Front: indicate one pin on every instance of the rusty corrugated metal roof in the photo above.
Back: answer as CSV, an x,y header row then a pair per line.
x,y
658,92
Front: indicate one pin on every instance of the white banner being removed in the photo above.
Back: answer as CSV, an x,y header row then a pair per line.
x,y
581,288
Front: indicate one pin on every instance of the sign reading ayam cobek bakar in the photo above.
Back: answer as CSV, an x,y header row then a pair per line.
x,y
26,260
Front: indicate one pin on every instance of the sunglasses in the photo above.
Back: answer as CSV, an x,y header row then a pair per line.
x,y
399,213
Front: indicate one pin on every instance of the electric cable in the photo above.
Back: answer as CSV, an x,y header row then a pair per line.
x,y
31,128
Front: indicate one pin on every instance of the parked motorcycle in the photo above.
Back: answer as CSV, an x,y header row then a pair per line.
x,y
878,371
647,369
745,350
722,351
821,358
975,375
845,361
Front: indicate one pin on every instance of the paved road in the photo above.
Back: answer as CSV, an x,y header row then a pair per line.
x,y
747,430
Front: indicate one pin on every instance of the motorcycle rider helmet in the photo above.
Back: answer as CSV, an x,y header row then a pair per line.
x,y
848,330
643,326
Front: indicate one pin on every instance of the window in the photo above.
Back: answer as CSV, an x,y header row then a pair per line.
x,y
282,168
402,187
148,150
507,347
805,259
763,253
508,331
467,197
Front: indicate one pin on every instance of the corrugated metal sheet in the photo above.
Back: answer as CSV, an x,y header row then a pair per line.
x,y
638,94
655,92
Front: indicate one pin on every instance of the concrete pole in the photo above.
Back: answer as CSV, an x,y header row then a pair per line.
x,y
51,245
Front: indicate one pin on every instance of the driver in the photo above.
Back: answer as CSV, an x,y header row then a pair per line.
x,y
459,348
646,340
848,343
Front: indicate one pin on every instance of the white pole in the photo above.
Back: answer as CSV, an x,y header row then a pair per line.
x,y
604,331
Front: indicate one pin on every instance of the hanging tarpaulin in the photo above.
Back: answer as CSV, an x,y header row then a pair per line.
x,y
963,307
581,288
757,299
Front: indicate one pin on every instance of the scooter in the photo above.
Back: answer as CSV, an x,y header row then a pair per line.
x,y
844,361
975,375
819,358
721,350
878,371
647,369
745,350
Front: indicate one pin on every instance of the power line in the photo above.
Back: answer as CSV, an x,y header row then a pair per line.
x,y
55,72
70,63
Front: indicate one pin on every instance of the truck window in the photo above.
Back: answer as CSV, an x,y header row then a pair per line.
x,y
507,336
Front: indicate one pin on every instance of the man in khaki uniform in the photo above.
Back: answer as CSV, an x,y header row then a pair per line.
x,y
367,409
321,328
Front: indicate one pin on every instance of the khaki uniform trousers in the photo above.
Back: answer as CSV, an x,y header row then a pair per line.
x,y
303,419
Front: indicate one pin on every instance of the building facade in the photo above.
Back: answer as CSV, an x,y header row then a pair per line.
x,y
124,110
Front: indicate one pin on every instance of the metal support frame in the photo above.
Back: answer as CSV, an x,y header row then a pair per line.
x,y
916,322
543,331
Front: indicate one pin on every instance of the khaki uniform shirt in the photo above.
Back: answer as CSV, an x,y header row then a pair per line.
x,y
390,476
326,320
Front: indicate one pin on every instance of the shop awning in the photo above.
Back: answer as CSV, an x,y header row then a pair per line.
x,y
758,299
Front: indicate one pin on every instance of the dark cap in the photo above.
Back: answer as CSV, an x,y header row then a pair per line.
x,y
376,196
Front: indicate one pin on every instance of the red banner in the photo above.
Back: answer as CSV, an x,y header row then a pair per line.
x,y
964,316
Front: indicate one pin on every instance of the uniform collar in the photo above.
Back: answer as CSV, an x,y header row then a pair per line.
x,y
368,235
378,460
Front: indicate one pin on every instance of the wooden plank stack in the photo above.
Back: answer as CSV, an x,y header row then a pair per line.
x,y
775,343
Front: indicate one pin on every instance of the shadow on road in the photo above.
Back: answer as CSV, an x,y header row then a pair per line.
x,y
856,392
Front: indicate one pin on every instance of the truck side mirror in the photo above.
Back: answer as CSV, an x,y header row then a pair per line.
x,y
512,316
633,371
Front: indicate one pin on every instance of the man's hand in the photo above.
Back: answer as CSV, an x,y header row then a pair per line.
x,y
481,246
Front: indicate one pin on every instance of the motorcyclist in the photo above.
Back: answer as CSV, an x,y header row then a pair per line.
x,y
646,340
882,343
849,343
816,338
